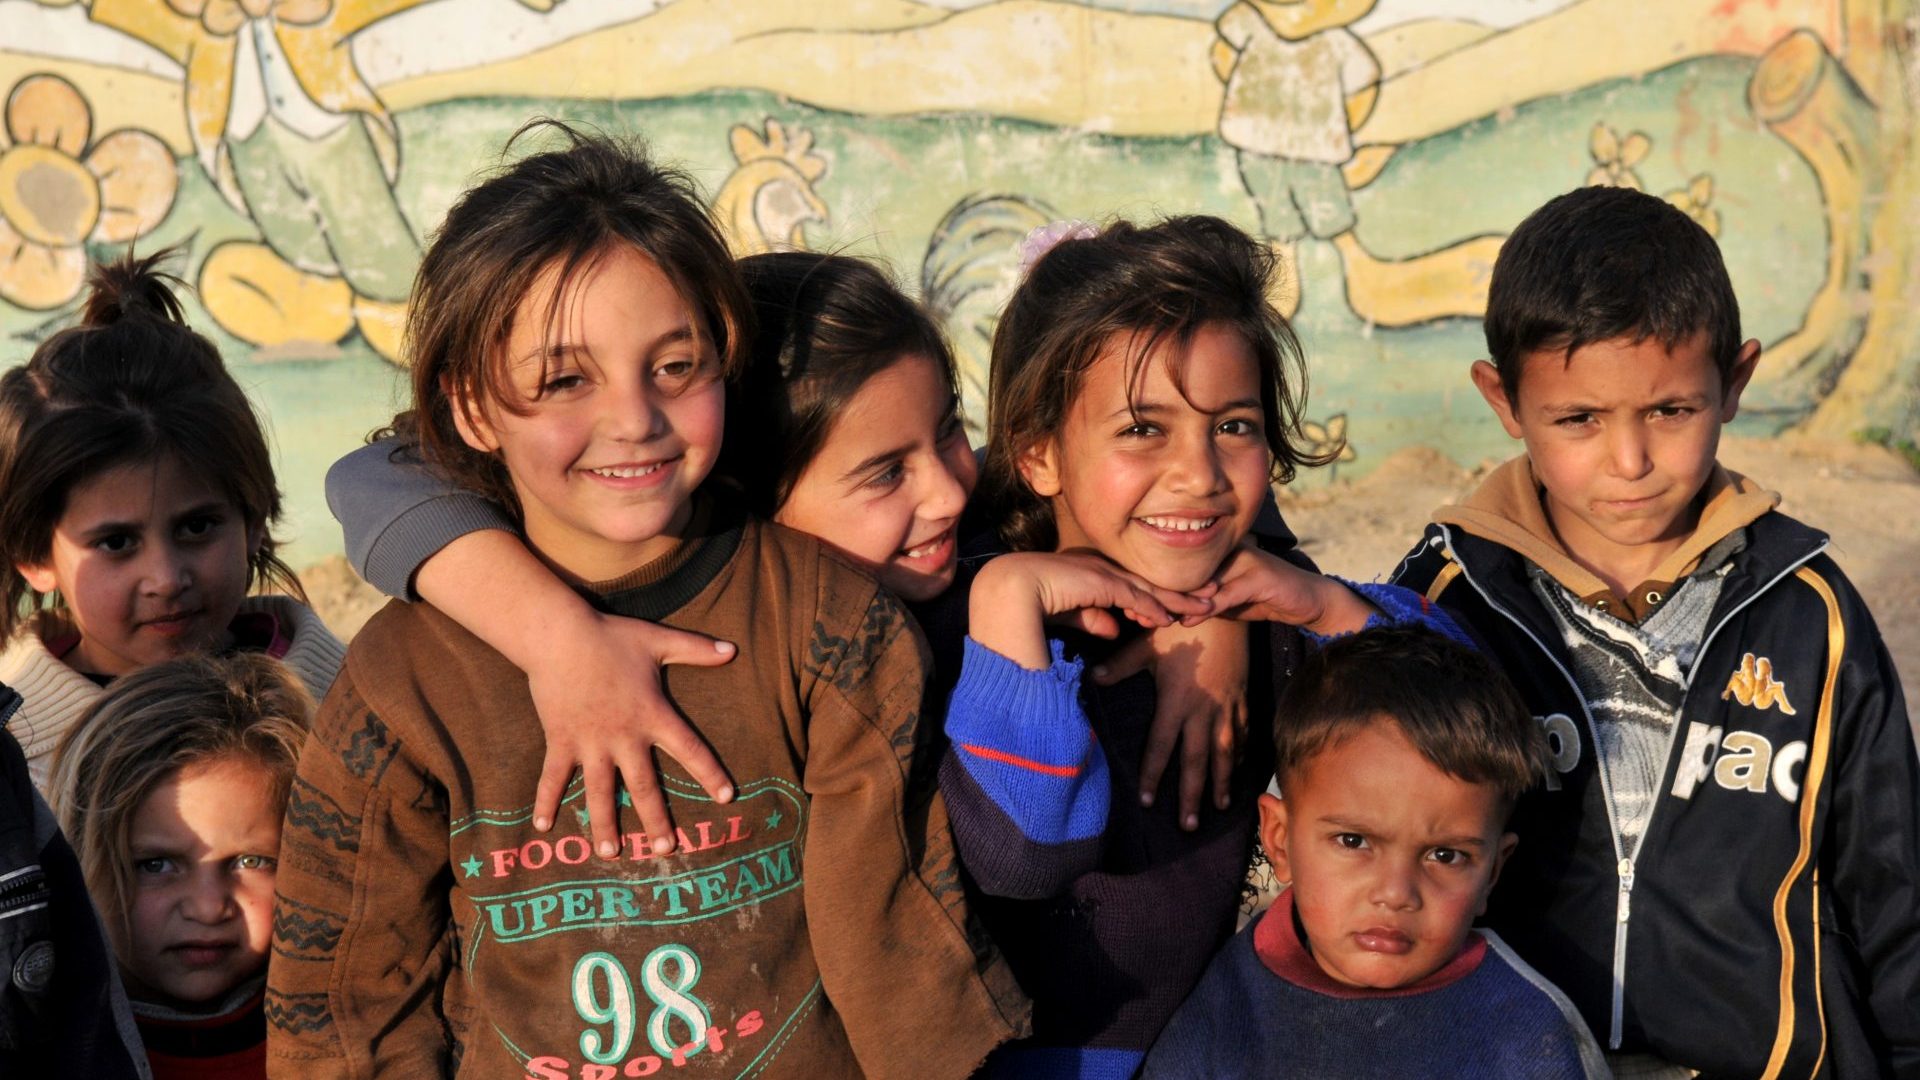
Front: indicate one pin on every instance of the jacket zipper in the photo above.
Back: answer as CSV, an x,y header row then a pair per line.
x,y
1624,868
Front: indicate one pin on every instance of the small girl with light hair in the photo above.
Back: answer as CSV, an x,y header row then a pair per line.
x,y
171,789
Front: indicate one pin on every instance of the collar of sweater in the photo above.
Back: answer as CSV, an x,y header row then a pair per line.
x,y
662,586
1506,509
1278,944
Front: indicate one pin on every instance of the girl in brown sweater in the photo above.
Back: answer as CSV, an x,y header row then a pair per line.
x,y
572,331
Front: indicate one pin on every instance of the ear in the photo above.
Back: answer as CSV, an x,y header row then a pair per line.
x,y
1486,379
1743,365
1039,466
40,576
256,536
470,418
1273,836
1508,841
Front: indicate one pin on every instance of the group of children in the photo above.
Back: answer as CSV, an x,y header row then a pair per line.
x,y
1614,774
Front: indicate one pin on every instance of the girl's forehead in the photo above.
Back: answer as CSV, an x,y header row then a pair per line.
x,y
138,489
1209,368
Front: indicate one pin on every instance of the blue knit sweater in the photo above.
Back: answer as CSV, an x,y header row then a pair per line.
x,y
1265,1009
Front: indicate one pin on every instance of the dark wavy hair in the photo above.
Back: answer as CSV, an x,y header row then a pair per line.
x,y
1147,285
131,383
825,324
563,209
1602,263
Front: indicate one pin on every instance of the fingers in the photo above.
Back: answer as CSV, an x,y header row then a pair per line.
x,y
1128,660
1161,739
555,771
1196,740
1227,737
650,804
685,746
603,827
674,646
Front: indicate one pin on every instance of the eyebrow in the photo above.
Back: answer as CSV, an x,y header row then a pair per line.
x,y
874,461
1665,402
1444,841
108,528
1155,408
563,349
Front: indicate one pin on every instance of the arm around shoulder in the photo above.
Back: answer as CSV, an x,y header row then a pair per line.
x,y
396,512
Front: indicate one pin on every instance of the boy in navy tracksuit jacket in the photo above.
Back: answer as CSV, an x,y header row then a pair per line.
x,y
1723,870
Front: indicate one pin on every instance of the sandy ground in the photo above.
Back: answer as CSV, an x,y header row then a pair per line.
x,y
1866,497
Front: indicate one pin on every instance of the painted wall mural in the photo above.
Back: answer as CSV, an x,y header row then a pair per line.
x,y
300,152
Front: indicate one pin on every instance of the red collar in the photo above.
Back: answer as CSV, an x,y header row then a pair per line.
x,y
1283,953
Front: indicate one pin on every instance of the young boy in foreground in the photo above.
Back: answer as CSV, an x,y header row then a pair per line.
x,y
1400,755
1723,869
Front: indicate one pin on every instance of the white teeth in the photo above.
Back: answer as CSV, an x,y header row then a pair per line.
x,y
925,549
628,472
1180,524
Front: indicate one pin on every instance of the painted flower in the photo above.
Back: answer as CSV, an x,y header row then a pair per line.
x,y
1325,438
222,18
1693,200
1614,157
58,191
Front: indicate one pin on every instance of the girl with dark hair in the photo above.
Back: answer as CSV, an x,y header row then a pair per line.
x,y
137,500
1144,396
574,327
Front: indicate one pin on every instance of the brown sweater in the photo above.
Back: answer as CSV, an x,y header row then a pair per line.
x,y
815,926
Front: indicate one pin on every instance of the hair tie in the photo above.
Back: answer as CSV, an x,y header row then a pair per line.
x,y
1048,236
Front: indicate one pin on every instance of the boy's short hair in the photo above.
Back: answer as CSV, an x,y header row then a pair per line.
x,y
1452,704
1602,263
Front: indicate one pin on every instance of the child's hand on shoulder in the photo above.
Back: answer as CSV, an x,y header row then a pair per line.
x,y
1200,686
1016,596
602,707
1256,585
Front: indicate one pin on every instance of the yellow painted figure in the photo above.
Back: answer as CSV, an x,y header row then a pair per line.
x,y
1299,82
294,137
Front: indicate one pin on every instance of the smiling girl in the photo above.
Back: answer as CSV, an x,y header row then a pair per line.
x,y
136,502
172,787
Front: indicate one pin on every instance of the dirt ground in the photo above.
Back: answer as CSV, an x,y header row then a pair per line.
x,y
1866,497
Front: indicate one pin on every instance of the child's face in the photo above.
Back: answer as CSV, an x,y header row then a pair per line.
x,y
1622,436
1164,484
891,479
1390,857
626,408
152,562
204,847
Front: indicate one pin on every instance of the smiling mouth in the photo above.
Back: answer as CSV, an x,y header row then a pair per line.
x,y
1180,524
930,548
630,472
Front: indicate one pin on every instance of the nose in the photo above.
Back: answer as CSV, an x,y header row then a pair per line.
x,y
630,413
1196,466
944,496
167,570
1627,451
208,898
1396,886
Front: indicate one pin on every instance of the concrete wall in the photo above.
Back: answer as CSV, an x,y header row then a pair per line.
x,y
301,149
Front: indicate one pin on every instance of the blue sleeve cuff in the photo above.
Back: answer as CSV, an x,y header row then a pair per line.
x,y
1398,606
1024,739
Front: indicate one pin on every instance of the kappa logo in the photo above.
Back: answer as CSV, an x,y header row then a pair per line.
x,y
1754,685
